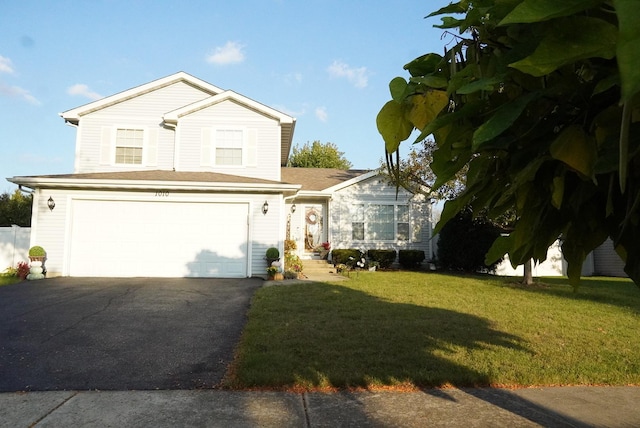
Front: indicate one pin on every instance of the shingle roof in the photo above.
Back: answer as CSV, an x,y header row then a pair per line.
x,y
159,175
315,179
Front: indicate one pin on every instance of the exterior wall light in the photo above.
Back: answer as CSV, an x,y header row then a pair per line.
x,y
265,207
51,203
293,208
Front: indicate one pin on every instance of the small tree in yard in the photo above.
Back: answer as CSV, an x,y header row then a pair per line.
x,y
540,101
15,209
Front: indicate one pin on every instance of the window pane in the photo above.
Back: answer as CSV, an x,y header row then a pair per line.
x,y
228,156
357,231
229,147
129,155
402,217
129,146
380,223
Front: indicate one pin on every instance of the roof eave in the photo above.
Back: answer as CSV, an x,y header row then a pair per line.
x,y
66,183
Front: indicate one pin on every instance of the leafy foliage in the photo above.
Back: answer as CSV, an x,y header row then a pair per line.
x,y
415,175
15,209
384,258
318,155
464,242
410,259
539,99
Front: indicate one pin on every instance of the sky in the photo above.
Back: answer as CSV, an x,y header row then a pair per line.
x,y
328,63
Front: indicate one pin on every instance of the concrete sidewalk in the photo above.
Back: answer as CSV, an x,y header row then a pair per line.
x,y
548,407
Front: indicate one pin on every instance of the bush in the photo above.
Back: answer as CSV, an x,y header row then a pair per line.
x,y
343,256
410,259
385,258
292,262
37,251
273,253
464,242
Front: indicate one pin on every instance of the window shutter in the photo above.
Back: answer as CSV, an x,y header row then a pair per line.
x,y
205,147
252,147
152,147
105,146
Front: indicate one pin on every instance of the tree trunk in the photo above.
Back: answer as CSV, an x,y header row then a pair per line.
x,y
528,273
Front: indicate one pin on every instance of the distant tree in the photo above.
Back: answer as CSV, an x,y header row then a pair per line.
x,y
15,209
318,155
415,174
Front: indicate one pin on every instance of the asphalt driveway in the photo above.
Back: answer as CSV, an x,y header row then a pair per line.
x,y
120,334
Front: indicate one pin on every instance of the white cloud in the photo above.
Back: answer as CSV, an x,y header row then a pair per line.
x,y
359,77
230,53
321,114
6,66
18,92
84,91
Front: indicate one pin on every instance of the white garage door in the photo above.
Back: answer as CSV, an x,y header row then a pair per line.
x,y
158,239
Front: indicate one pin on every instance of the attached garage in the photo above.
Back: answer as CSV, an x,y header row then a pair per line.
x,y
116,238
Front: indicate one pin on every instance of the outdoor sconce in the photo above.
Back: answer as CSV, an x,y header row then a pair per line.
x,y
51,203
293,208
265,207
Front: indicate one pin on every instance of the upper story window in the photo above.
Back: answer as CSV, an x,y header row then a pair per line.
x,y
129,143
229,146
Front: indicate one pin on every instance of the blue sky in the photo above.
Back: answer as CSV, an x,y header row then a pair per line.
x,y
326,62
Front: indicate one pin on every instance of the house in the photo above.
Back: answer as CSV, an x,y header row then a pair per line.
x,y
178,177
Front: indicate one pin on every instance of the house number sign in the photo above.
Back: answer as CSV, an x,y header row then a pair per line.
x,y
162,193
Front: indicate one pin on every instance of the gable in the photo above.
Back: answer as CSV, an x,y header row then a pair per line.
x,y
203,88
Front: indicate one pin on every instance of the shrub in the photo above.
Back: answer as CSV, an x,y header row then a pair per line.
x,y
289,274
273,253
37,251
385,258
292,262
410,259
290,245
464,242
342,256
23,270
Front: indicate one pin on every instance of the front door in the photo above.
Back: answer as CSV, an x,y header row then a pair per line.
x,y
314,228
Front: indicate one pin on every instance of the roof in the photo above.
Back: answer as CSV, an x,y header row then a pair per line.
x,y
286,122
73,115
186,180
319,179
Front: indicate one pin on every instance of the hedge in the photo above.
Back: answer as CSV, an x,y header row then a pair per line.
x,y
384,257
410,259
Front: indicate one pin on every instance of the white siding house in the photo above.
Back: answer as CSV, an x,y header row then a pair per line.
x,y
178,177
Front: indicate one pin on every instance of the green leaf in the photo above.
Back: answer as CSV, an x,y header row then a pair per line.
x,y
557,191
502,119
487,84
398,89
542,10
569,40
500,247
628,12
423,65
393,125
431,81
449,22
451,8
576,149
426,107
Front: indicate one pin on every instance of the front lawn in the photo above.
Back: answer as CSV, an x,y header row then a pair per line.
x,y
407,329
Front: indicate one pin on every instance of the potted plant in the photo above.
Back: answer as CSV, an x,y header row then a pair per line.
x,y
272,255
37,255
273,273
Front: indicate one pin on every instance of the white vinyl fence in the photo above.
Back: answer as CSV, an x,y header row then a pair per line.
x,y
14,246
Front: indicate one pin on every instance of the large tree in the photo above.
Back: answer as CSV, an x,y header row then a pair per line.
x,y
318,155
15,209
540,100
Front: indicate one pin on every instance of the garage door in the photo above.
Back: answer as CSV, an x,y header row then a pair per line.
x,y
158,239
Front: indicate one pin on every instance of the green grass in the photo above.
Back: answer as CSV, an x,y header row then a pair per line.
x,y
407,329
